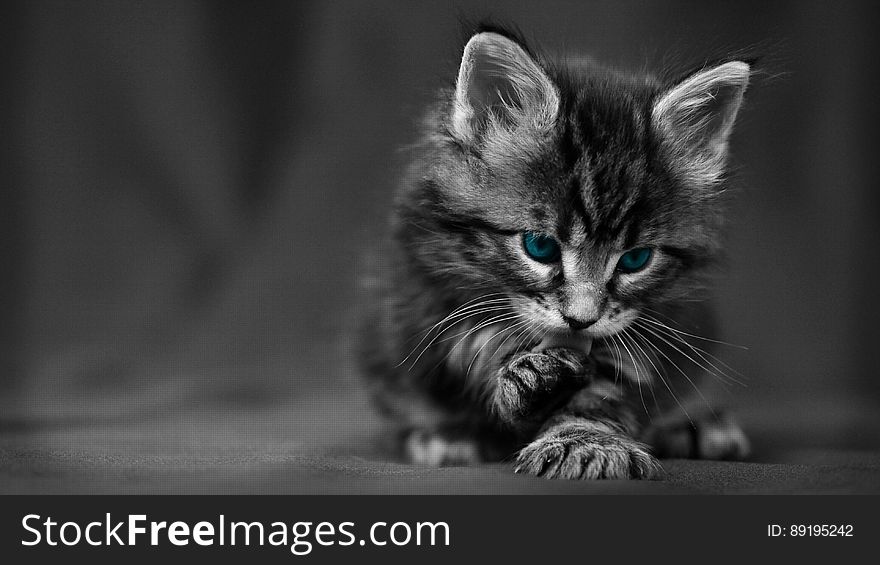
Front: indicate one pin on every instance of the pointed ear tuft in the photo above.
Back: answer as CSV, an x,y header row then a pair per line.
x,y
499,84
694,119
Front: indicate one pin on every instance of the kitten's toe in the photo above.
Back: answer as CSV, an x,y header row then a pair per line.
x,y
431,448
580,452
716,438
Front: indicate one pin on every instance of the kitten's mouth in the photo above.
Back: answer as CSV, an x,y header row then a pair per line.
x,y
577,341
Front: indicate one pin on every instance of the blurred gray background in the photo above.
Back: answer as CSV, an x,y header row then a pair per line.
x,y
187,187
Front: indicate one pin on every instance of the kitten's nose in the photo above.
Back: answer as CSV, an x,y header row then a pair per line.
x,y
576,324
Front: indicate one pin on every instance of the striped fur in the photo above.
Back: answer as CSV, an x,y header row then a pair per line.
x,y
459,347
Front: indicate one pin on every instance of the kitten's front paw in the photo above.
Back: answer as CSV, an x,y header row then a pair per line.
x,y
580,451
530,384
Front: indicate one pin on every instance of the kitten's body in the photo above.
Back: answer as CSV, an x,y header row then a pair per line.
x,y
481,352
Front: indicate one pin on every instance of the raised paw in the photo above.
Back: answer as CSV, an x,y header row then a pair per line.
x,y
711,437
531,384
436,449
580,451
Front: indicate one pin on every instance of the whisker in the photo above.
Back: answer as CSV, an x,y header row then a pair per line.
x,y
683,373
478,326
619,358
483,324
629,352
526,337
638,380
466,307
702,353
674,396
496,334
524,327
718,373
644,353
507,312
464,311
695,336
532,337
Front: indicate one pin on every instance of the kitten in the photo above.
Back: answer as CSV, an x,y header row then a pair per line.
x,y
536,287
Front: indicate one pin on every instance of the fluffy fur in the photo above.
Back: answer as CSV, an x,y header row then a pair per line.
x,y
573,368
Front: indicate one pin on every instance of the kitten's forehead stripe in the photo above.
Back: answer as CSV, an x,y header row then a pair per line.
x,y
574,218
604,141
575,209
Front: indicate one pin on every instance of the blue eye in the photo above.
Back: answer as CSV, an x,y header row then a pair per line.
x,y
541,248
634,260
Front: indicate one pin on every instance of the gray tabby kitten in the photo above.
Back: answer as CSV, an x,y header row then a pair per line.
x,y
536,291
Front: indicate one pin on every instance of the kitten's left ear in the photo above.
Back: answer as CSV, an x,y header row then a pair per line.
x,y
499,83
695,118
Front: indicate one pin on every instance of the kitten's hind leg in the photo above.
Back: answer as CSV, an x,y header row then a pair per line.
x,y
456,445
704,436
437,448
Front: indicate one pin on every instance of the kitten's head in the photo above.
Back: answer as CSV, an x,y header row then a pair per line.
x,y
584,195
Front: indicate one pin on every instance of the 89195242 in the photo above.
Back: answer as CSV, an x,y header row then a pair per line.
x,y
810,530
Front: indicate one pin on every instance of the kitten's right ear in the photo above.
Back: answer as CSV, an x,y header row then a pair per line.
x,y
499,83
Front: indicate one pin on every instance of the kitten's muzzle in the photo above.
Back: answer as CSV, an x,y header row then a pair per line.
x,y
577,325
